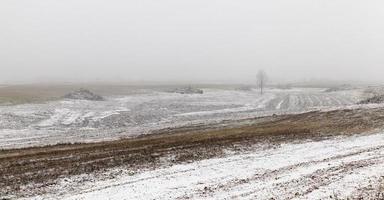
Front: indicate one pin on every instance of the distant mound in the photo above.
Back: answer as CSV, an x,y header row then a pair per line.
x,y
375,99
244,88
284,87
84,94
334,89
187,90
338,88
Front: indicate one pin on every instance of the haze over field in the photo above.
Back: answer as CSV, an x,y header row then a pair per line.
x,y
197,40
198,99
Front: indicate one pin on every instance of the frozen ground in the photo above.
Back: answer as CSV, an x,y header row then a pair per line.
x,y
124,116
337,168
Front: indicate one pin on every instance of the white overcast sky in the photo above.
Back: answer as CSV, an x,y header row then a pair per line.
x,y
201,40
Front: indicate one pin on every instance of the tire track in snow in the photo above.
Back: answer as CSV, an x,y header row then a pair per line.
x,y
298,177
321,175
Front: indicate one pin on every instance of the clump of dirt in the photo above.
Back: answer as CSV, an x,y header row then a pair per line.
x,y
375,99
338,88
187,90
84,94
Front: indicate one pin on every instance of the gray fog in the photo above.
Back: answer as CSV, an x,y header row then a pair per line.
x,y
199,40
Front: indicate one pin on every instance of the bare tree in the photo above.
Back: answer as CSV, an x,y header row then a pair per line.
x,y
261,80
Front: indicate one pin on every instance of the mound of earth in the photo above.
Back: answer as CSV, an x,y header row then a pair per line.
x,y
244,88
284,87
334,89
84,94
375,99
338,88
187,90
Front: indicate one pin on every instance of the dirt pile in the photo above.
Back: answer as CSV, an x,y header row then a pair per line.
x,y
83,94
338,88
284,86
244,88
187,90
375,99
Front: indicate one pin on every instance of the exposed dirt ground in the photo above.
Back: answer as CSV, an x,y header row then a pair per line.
x,y
38,167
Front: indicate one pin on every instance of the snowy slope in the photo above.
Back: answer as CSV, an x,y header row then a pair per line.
x,y
309,170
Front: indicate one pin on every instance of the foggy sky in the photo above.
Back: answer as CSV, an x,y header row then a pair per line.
x,y
194,40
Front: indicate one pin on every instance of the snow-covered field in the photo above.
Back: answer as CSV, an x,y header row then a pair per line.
x,y
331,167
342,167
124,116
